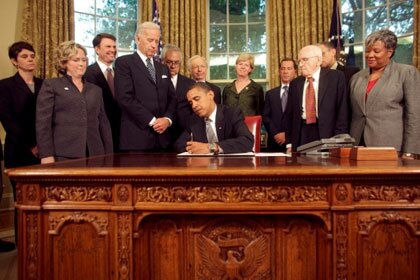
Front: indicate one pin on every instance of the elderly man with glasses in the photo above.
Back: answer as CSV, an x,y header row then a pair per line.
x,y
318,101
172,57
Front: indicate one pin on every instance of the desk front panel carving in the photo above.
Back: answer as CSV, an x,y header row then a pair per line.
x,y
274,222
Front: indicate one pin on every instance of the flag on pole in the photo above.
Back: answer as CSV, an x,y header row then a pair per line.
x,y
336,38
156,20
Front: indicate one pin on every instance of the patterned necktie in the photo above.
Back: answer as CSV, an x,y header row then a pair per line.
x,y
211,136
151,69
110,80
310,102
284,97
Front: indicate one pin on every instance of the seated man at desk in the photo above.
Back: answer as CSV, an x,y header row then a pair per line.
x,y
213,128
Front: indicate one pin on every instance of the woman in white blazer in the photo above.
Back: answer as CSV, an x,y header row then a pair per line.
x,y
385,99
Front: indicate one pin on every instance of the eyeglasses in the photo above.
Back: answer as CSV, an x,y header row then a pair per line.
x,y
172,63
305,59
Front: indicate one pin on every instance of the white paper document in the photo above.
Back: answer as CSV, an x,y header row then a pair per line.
x,y
249,154
187,154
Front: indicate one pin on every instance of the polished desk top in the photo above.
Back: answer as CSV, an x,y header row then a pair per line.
x,y
170,165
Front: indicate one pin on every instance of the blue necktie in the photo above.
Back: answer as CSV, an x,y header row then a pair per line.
x,y
151,69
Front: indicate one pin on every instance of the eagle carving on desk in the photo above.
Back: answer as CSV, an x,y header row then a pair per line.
x,y
232,268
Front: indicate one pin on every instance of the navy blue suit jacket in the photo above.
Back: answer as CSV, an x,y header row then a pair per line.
x,y
17,115
232,132
332,106
141,99
113,112
274,118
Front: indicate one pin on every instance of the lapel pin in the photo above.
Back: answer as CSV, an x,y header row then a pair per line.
x,y
66,88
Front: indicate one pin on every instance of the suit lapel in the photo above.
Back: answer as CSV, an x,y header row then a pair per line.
x,y
23,86
220,129
100,76
300,86
198,130
375,93
140,64
38,84
322,87
360,86
158,69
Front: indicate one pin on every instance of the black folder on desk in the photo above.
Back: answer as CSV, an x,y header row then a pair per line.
x,y
322,146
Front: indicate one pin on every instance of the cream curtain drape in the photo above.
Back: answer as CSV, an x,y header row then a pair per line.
x,y
184,24
291,26
45,24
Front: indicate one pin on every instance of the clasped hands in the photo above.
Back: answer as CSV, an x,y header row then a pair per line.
x,y
160,125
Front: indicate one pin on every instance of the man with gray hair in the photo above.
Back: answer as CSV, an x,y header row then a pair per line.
x,y
145,94
172,57
318,100
197,66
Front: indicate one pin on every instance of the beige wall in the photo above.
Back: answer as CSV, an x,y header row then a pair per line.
x,y
10,22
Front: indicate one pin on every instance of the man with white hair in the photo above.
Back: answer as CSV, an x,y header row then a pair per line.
x,y
197,66
318,100
145,94
172,57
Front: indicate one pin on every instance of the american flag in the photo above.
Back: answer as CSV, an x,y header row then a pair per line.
x,y
336,38
157,21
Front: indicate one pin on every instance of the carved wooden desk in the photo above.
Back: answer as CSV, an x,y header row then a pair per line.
x,y
140,216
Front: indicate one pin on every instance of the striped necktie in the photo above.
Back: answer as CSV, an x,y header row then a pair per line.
x,y
151,69
284,97
211,135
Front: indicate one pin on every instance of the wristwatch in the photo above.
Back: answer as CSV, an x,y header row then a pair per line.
x,y
409,155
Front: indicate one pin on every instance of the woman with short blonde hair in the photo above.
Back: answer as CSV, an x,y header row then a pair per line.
x,y
244,92
70,114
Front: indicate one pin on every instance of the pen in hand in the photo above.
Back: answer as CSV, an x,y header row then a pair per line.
x,y
191,137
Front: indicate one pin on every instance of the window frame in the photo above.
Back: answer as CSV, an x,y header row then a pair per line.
x,y
363,10
228,53
120,51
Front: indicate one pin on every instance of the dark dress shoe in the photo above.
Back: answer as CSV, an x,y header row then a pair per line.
x,y
6,246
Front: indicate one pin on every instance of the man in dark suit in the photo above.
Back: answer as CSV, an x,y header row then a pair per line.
x,y
145,95
318,100
101,73
172,57
213,128
329,60
197,66
275,105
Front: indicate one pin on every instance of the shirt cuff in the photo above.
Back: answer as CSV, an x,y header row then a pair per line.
x,y
152,122
169,120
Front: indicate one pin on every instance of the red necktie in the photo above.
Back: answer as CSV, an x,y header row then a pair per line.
x,y
310,102
110,80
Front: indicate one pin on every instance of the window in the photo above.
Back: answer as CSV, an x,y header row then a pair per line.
x,y
362,17
237,26
117,17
